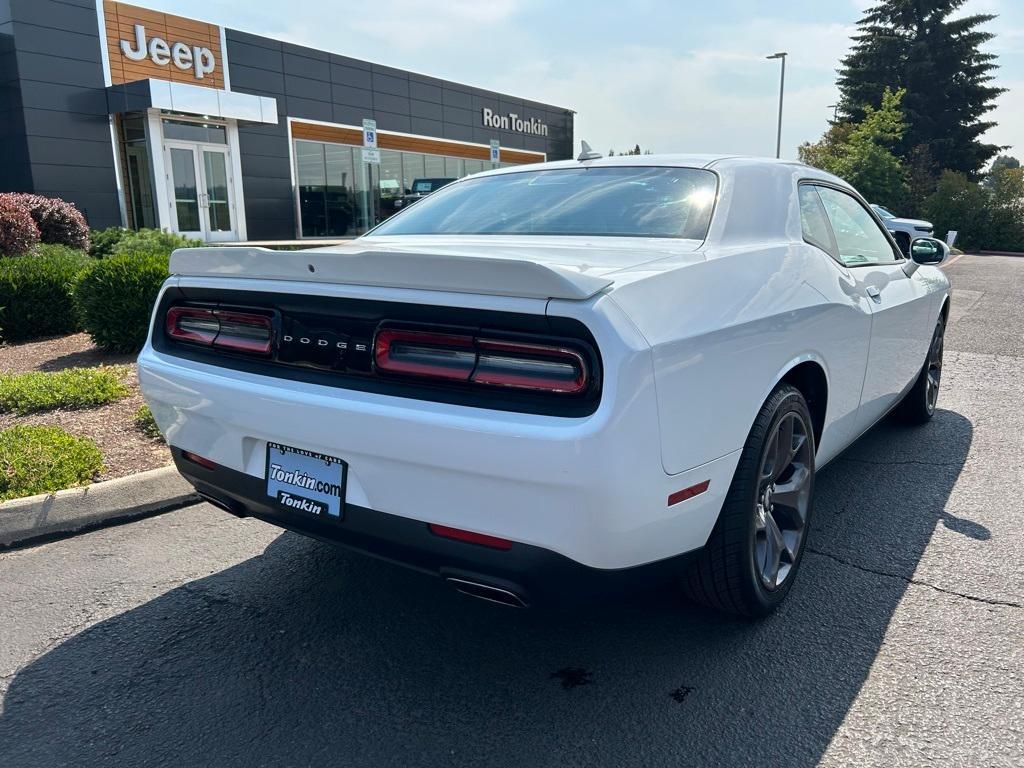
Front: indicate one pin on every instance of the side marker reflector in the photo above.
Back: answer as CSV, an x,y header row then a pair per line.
x,y
688,493
469,536
202,461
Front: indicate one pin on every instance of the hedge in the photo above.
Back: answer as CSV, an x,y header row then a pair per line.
x,y
36,293
18,231
115,298
40,459
152,241
59,222
102,242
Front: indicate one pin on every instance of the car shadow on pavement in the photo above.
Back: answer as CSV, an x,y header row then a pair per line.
x,y
311,655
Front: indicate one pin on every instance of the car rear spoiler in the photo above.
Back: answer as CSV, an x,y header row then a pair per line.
x,y
497,276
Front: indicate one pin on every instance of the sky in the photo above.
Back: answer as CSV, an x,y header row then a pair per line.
x,y
673,76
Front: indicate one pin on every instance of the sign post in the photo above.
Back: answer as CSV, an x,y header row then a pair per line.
x,y
495,151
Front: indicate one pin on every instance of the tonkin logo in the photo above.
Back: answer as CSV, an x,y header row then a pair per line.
x,y
513,122
200,60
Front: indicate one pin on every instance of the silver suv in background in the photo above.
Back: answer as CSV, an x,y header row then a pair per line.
x,y
903,230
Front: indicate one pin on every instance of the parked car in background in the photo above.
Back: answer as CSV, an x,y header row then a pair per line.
x,y
903,230
421,188
540,376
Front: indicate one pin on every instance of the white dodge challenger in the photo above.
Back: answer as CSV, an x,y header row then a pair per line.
x,y
548,377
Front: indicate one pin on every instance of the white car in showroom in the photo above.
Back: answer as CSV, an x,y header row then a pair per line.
x,y
549,377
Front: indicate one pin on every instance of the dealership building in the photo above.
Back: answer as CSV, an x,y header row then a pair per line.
x,y
146,119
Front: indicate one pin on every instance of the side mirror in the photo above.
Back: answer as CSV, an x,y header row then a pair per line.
x,y
928,250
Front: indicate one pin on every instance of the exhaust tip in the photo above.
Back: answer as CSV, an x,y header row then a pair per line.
x,y
233,507
487,592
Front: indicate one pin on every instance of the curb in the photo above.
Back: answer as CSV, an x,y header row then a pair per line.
x,y
51,514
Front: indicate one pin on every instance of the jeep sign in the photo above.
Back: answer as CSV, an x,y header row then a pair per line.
x,y
199,60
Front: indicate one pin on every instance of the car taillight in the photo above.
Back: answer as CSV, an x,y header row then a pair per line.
x,y
539,367
221,328
420,353
530,366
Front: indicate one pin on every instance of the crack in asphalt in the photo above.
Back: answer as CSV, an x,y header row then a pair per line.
x,y
917,582
900,462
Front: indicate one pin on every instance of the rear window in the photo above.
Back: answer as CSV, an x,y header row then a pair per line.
x,y
629,201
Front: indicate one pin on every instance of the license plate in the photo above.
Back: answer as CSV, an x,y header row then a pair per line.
x,y
306,482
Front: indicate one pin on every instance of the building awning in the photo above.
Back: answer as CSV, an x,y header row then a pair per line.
x,y
190,99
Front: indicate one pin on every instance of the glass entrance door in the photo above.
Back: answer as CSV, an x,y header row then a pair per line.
x,y
199,185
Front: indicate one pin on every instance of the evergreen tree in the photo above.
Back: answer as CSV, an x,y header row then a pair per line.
x,y
918,45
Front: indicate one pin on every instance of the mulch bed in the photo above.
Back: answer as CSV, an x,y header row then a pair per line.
x,y
125,449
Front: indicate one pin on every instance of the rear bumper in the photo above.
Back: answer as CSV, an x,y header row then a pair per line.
x,y
533,574
592,490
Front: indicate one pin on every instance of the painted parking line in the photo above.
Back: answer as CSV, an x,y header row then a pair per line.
x,y
952,261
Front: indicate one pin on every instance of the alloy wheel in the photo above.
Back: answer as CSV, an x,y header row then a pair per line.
x,y
783,500
933,373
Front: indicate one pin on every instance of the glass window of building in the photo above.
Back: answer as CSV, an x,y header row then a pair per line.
x,y
140,208
412,168
389,182
312,181
434,166
185,130
340,194
453,168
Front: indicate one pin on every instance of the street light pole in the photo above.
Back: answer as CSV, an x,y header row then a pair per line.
x,y
782,87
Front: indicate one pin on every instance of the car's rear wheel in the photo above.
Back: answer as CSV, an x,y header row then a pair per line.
x,y
918,405
755,549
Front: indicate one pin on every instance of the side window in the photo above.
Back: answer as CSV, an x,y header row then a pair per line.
x,y
858,237
817,230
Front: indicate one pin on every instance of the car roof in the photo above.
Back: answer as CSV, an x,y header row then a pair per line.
x,y
715,162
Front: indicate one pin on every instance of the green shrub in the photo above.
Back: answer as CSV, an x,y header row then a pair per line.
x,y
145,422
153,241
24,393
102,242
38,459
36,293
115,299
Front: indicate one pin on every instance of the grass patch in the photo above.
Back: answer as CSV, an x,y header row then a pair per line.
x,y
23,393
146,424
36,459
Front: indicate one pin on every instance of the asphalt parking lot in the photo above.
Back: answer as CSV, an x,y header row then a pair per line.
x,y
196,639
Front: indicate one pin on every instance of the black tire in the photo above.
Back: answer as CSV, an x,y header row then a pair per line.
x,y
918,405
726,574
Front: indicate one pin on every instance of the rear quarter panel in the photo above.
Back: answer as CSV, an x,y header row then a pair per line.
x,y
724,332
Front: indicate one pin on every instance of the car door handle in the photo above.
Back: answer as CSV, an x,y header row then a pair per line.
x,y
874,293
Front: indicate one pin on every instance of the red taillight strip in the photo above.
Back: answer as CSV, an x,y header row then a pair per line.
x,y
470,537
485,361
224,329
453,355
527,352
688,493
175,315
244,332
